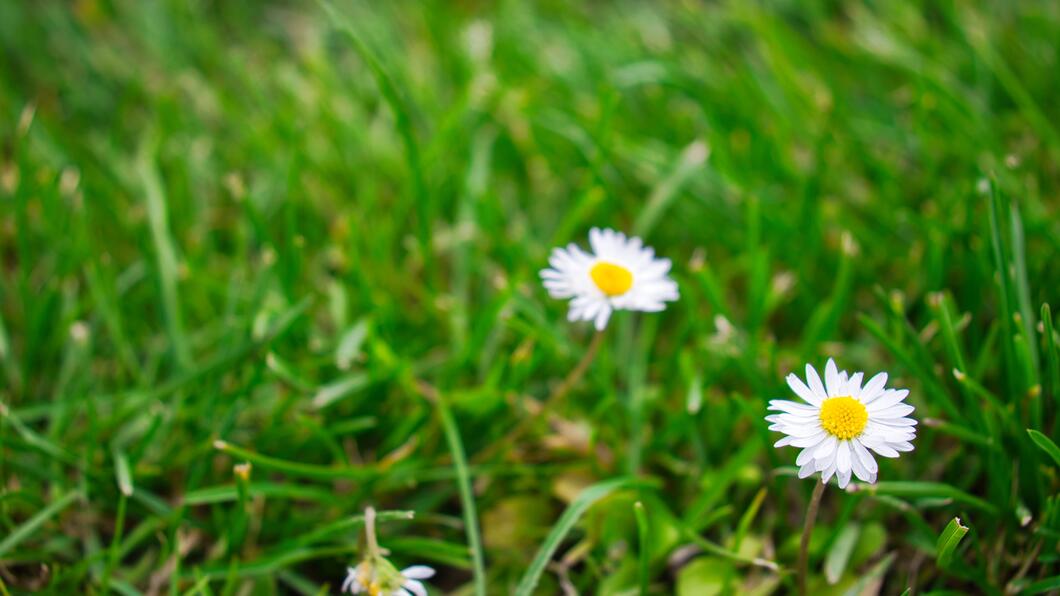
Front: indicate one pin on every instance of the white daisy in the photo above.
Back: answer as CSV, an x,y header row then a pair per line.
x,y
377,580
841,422
620,274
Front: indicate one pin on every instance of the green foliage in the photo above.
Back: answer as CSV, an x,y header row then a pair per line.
x,y
245,232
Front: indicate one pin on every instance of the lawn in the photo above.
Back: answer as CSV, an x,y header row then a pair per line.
x,y
267,265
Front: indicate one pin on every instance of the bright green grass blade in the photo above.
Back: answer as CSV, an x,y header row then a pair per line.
x,y
467,497
165,251
229,493
1005,291
692,158
910,488
1051,351
566,522
950,537
27,528
294,468
1045,444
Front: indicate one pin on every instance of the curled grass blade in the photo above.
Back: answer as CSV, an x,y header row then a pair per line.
x,y
948,540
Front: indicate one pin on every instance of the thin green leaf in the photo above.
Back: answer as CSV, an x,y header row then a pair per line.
x,y
924,490
1045,444
467,497
643,547
24,530
835,562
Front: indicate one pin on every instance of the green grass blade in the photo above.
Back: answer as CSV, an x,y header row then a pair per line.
x,y
294,468
1046,444
467,497
165,251
1050,349
948,540
688,163
643,546
34,523
835,562
566,522
899,488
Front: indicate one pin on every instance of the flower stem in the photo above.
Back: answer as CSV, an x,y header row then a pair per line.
x,y
807,530
569,382
576,373
369,532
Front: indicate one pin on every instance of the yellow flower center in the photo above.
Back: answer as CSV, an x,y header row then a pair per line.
x,y
843,417
613,280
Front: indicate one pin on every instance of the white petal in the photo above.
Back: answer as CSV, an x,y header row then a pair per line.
x,y
863,455
892,412
351,578
602,317
826,448
902,446
853,388
832,381
826,474
796,430
872,389
415,587
808,441
843,477
807,470
813,381
884,450
889,398
842,458
802,390
418,572
792,407
825,462
855,464
806,455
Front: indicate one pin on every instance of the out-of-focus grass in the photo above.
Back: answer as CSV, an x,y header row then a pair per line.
x,y
238,231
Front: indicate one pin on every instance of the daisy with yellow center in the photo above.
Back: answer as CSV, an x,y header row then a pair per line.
x,y
842,422
619,274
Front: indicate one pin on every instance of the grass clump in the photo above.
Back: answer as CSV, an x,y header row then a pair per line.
x,y
306,237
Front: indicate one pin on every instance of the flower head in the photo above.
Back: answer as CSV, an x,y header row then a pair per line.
x,y
619,274
376,576
379,578
841,422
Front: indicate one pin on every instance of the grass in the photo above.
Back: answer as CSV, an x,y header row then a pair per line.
x,y
241,232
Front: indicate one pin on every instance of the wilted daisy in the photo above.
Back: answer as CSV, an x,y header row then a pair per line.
x,y
376,576
841,422
619,274
379,578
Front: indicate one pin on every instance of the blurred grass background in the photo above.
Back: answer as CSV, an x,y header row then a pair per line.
x,y
264,223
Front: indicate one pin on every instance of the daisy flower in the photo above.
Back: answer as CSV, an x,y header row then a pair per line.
x,y
379,578
842,423
619,274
